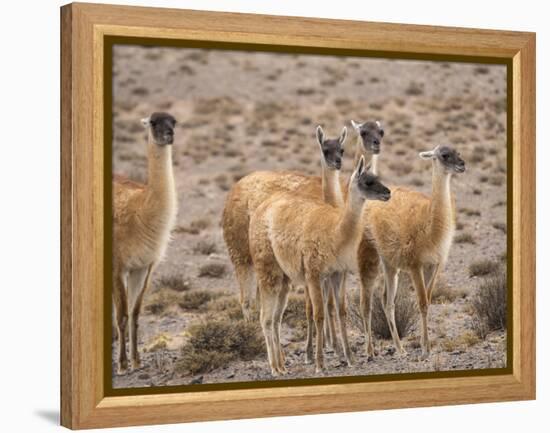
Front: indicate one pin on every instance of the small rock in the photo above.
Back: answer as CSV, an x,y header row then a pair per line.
x,y
389,351
144,376
197,380
230,376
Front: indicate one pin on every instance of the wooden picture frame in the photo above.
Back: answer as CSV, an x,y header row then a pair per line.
x,y
84,29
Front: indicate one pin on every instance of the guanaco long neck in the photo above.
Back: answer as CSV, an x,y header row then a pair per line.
x,y
441,213
360,151
347,230
161,192
332,191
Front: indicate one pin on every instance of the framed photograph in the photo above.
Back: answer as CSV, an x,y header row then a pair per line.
x,y
267,216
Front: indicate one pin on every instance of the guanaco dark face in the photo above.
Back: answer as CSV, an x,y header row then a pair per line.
x,y
448,157
371,134
368,184
162,128
331,148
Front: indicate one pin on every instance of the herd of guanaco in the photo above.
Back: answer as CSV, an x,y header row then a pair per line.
x,y
285,229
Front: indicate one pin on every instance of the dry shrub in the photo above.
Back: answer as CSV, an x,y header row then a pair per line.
x,y
205,247
469,212
295,316
212,270
483,267
496,180
490,304
406,311
461,342
478,154
140,91
196,300
443,294
500,226
464,238
158,302
195,227
481,70
173,282
229,305
214,343
414,89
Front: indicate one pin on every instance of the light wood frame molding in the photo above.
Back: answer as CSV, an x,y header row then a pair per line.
x,y
83,29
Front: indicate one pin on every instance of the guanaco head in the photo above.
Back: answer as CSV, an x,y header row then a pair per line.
x,y
331,148
161,128
448,158
367,184
371,134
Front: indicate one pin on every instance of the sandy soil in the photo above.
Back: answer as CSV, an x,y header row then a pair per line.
x,y
240,112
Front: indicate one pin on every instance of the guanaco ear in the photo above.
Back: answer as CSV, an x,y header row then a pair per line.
x,y
360,166
430,154
343,135
146,121
320,135
355,125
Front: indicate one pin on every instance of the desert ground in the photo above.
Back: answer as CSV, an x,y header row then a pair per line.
x,y
240,112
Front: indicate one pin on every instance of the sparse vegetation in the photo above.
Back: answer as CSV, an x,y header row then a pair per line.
x,y
469,212
205,247
496,180
229,305
214,343
464,238
196,299
406,312
490,304
461,342
174,282
195,227
295,316
500,226
443,293
160,301
414,89
213,270
483,267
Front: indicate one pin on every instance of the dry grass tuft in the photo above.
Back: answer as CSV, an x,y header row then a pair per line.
x,y
500,226
490,304
406,312
196,300
464,238
443,294
462,342
195,227
414,89
173,282
295,316
469,212
160,301
212,270
229,305
483,267
205,247
214,343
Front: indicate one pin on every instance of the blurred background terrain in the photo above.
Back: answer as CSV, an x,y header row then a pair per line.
x,y
245,111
